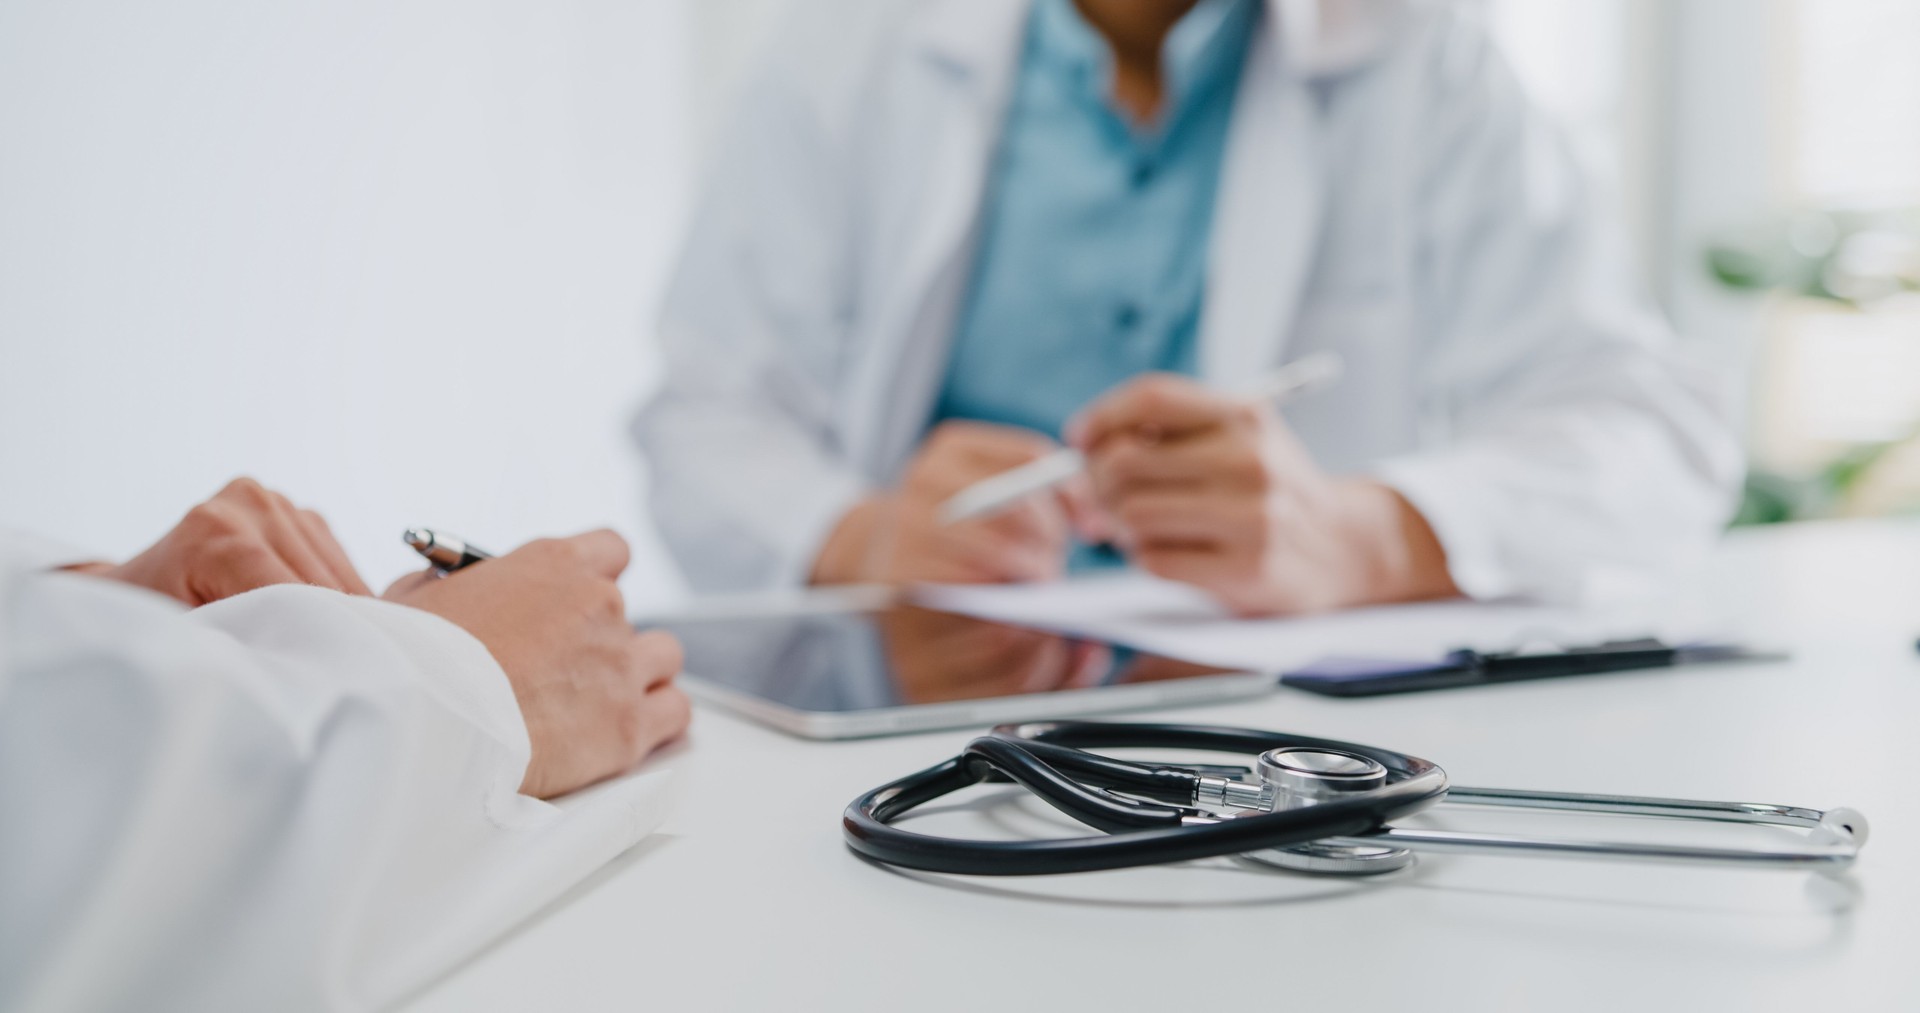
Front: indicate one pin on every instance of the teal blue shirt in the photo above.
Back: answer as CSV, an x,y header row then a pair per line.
x,y
1094,231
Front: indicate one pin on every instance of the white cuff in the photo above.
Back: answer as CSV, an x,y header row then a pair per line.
x,y
25,551
458,672
809,527
1443,487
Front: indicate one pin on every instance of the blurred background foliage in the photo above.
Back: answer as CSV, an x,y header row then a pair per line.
x,y
1851,260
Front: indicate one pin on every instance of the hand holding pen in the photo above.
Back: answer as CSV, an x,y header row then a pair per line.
x,y
1216,491
897,537
1002,490
596,695
989,503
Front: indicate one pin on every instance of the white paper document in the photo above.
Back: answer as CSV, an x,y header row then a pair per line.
x,y
1178,621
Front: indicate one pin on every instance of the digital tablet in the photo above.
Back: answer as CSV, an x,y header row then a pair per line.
x,y
838,674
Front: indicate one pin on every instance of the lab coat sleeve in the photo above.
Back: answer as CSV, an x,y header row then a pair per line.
x,y
1571,452
747,473
290,800
36,552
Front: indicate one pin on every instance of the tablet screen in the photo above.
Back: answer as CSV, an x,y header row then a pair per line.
x,y
904,655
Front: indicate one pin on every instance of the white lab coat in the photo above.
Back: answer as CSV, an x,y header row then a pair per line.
x,y
289,800
1388,192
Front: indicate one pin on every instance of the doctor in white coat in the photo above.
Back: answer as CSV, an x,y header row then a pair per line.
x,y
297,796
945,235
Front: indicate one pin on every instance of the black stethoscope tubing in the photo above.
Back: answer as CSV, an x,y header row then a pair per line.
x,y
1038,756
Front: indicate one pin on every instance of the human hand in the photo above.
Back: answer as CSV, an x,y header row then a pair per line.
x,y
899,535
597,696
247,536
1217,492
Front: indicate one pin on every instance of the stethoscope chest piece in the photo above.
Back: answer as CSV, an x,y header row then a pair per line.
x,y
1302,776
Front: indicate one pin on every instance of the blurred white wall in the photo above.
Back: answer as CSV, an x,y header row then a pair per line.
x,y
728,37
395,257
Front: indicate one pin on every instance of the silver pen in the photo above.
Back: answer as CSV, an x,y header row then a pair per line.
x,y
446,552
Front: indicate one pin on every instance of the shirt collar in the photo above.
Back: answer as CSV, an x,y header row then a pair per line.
x,y
1197,56
1201,52
1319,38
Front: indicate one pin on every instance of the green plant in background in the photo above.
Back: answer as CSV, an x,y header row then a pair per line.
x,y
1772,498
1851,257
1848,257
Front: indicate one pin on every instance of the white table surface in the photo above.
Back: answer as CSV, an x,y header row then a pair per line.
x,y
751,901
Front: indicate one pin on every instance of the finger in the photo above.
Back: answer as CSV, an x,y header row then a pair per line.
x,y
280,524
1125,463
958,560
946,473
986,440
245,490
261,521
235,566
974,560
664,714
981,460
658,657
990,558
603,551
1177,518
95,568
1037,521
1160,402
959,454
1204,566
320,537
1081,507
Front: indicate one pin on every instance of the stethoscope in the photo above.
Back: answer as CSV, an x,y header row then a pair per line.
x,y
1307,804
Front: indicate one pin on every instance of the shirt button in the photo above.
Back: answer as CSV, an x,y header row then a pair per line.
x,y
1141,175
1127,316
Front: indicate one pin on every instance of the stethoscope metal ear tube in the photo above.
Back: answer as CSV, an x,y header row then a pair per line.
x,y
1317,806
1637,805
1837,834
1808,856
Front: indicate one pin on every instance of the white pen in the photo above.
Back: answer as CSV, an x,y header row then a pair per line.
x,y
991,495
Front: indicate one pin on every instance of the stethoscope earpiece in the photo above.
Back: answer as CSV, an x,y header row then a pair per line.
x,y
1840,827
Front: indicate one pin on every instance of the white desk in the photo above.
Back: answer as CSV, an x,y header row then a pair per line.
x,y
752,901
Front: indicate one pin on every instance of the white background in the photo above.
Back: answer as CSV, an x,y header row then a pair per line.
x,y
394,258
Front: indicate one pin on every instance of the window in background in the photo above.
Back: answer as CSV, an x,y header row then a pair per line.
x,y
1837,423
1787,131
1855,100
